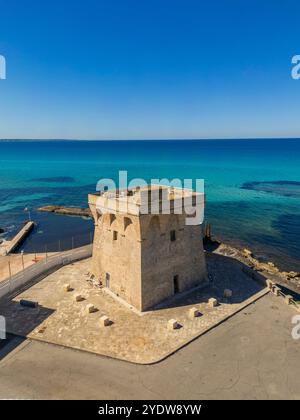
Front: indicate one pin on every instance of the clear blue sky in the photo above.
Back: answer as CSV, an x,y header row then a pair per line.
x,y
114,69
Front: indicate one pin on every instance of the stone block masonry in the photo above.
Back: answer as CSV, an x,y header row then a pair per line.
x,y
145,258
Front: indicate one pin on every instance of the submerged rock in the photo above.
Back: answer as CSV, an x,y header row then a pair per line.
x,y
69,211
54,179
283,188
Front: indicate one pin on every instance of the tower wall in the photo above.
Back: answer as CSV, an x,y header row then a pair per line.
x,y
163,259
146,258
117,253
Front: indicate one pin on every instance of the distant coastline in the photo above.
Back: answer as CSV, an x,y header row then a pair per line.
x,y
150,140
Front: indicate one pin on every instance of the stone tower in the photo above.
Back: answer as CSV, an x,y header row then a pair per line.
x,y
142,254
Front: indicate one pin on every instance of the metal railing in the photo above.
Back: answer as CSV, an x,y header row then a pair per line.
x,y
41,269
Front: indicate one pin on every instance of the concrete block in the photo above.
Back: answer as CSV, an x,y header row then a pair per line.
x,y
173,324
105,321
90,308
212,302
276,291
67,288
194,313
227,293
288,299
78,298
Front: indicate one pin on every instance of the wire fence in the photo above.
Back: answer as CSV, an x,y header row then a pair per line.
x,y
34,250
35,245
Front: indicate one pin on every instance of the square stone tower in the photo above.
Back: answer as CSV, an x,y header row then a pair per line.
x,y
141,253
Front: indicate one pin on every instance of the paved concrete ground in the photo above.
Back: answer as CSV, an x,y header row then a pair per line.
x,y
250,356
59,319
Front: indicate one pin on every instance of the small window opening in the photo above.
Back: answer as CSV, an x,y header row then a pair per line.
x,y
173,235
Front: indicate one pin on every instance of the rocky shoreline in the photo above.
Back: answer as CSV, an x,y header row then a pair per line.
x,y
289,279
69,211
1,239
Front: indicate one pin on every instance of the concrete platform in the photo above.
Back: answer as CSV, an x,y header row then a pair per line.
x,y
12,245
60,319
250,356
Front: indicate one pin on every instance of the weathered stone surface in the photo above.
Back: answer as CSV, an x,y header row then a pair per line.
x,y
268,267
141,257
212,302
271,264
247,252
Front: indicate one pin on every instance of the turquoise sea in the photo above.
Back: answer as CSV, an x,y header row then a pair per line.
x,y
252,187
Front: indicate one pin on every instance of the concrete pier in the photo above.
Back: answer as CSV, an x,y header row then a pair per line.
x,y
19,238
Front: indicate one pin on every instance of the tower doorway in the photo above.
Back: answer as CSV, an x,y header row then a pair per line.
x,y
176,284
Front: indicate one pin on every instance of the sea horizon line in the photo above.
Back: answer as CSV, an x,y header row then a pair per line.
x,y
145,139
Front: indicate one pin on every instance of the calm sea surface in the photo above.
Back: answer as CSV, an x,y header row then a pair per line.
x,y
252,187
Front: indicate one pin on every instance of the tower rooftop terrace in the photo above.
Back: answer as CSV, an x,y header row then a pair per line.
x,y
152,198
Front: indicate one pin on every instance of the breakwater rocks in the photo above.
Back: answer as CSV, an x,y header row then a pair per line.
x,y
68,211
1,231
267,269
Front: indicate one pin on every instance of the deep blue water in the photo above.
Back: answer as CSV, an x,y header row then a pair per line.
x,y
251,200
